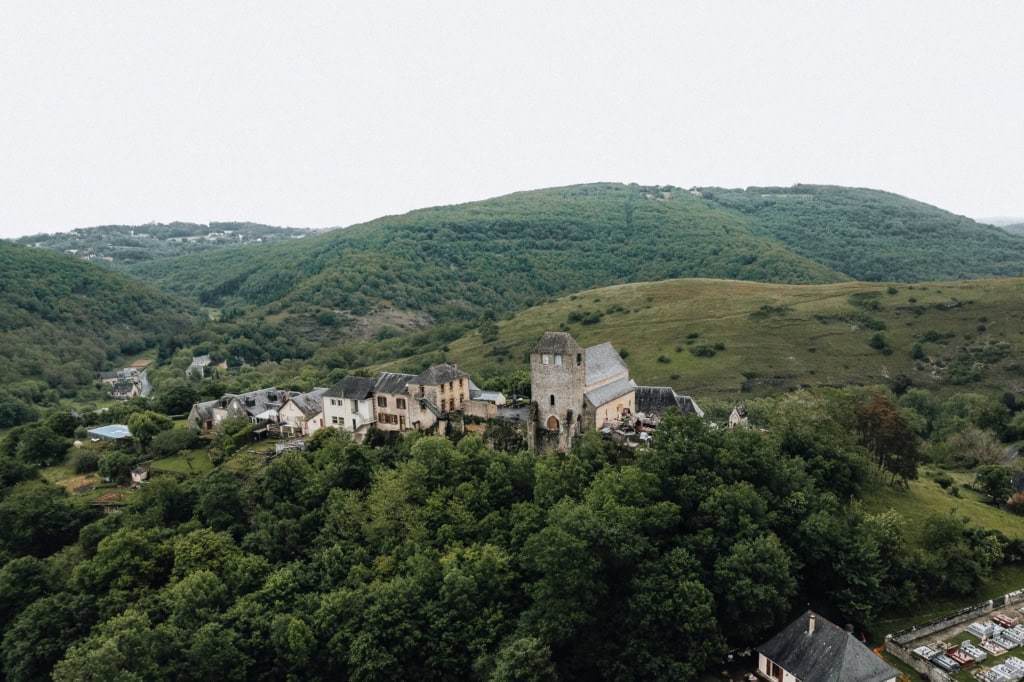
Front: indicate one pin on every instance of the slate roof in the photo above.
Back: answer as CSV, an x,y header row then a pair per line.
x,y
205,410
556,342
609,392
393,382
200,361
439,374
830,654
261,400
655,400
309,403
353,388
603,361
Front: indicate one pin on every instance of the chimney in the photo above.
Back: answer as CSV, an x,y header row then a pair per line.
x,y
810,625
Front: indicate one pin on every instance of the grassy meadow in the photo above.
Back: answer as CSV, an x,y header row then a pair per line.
x,y
719,338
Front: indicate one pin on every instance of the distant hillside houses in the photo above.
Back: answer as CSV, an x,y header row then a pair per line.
x,y
128,382
575,389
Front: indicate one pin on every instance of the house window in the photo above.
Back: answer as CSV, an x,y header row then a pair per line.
x,y
400,403
354,427
334,420
558,359
551,399
451,404
774,670
382,401
355,407
579,359
545,358
401,422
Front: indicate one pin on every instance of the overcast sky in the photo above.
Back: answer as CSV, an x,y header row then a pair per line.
x,y
317,114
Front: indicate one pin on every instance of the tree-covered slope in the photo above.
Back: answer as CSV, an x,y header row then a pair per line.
x,y
62,320
120,245
503,254
875,236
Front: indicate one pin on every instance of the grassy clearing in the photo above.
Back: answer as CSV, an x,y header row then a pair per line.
x,y
926,497
774,336
179,464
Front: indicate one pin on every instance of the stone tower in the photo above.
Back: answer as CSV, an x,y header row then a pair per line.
x,y
559,370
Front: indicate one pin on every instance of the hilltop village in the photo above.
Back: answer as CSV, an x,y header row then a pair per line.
x,y
574,389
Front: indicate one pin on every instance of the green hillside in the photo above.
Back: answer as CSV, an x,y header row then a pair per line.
x,y
717,338
501,254
875,236
504,254
62,320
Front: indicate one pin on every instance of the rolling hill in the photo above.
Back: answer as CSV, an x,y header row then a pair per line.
x,y
62,320
503,254
719,338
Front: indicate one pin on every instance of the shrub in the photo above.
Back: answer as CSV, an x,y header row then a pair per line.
x,y
703,351
879,343
664,359
943,479
85,461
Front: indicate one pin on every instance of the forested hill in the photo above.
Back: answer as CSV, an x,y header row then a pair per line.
x,y
504,253
62,320
500,254
875,236
119,245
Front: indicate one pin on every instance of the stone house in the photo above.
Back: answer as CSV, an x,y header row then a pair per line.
x,y
259,407
349,405
302,413
435,393
391,401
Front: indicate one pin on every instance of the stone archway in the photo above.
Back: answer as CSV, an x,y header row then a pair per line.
x,y
552,424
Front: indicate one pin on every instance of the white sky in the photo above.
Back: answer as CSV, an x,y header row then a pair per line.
x,y
319,114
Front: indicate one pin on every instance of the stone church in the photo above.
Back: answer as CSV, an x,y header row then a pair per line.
x,y
576,389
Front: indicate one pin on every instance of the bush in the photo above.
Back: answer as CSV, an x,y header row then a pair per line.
x,y
879,343
85,461
943,479
171,442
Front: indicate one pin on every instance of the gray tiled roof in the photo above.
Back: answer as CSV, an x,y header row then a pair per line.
x,y
603,361
655,400
259,401
309,403
354,388
393,382
830,654
604,394
438,374
556,342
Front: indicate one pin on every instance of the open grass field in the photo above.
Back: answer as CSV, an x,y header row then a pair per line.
x,y
772,337
926,497
180,463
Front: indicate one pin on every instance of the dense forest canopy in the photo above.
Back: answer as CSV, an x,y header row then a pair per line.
x,y
500,254
875,236
435,558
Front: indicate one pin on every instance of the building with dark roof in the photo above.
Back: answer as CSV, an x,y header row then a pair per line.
x,y
652,402
302,413
348,405
812,649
